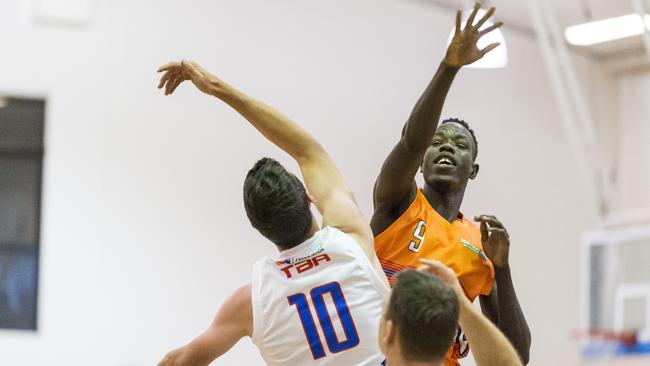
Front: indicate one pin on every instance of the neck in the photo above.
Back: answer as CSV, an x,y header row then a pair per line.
x,y
446,203
312,232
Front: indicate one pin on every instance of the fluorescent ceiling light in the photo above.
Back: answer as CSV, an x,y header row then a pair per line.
x,y
498,57
607,30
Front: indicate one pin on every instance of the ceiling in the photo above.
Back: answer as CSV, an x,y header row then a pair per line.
x,y
621,56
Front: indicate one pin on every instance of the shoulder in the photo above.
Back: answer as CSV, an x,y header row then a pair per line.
x,y
471,232
361,239
357,254
469,225
242,295
334,237
238,309
239,302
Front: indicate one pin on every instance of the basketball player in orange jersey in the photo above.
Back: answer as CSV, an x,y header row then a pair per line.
x,y
410,223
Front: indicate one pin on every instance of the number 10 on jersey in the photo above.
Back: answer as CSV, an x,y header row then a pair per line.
x,y
327,328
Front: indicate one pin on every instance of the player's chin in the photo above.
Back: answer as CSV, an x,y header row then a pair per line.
x,y
443,182
438,180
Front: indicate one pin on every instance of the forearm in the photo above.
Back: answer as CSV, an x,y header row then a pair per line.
x,y
511,318
275,126
319,172
395,181
489,346
422,123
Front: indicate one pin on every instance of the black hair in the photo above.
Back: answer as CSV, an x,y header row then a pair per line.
x,y
277,204
425,312
466,125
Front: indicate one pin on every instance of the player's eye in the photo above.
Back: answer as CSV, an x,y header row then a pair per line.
x,y
461,143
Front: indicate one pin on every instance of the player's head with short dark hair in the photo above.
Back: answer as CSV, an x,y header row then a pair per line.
x,y
450,160
466,125
420,319
277,204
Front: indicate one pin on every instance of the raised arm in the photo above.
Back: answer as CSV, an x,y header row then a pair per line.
x,y
323,181
233,322
489,346
395,187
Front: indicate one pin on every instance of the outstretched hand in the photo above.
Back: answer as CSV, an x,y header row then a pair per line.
x,y
177,72
463,49
495,240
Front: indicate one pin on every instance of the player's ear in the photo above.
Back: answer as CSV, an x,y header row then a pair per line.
x,y
386,334
390,332
474,171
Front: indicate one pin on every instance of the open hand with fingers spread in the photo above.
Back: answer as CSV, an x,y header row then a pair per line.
x,y
495,240
463,49
177,72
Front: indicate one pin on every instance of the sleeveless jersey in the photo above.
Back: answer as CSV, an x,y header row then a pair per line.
x,y
420,232
319,303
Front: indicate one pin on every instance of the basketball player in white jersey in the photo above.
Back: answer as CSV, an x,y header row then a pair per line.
x,y
320,301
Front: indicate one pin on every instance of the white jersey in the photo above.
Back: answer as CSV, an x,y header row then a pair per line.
x,y
319,303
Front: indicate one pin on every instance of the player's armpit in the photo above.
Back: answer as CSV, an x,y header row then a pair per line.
x,y
233,321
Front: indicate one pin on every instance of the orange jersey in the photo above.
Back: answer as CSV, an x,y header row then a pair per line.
x,y
422,233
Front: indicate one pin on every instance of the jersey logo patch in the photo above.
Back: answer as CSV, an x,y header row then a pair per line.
x,y
474,249
305,265
300,259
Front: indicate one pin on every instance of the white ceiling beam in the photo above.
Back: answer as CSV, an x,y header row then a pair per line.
x,y
574,112
642,7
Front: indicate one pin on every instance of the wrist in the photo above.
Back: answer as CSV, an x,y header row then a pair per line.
x,y
217,89
446,66
225,92
502,271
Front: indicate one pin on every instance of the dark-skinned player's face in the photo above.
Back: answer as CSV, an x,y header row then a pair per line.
x,y
449,161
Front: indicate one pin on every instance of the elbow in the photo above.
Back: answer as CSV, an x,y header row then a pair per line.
x,y
309,152
414,144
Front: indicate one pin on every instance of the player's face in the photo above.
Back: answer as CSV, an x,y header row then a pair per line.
x,y
449,161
